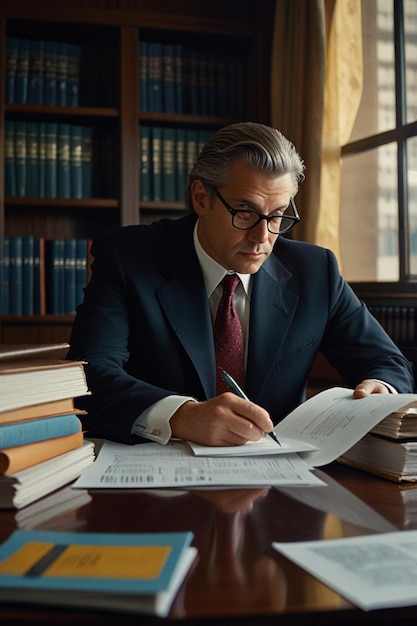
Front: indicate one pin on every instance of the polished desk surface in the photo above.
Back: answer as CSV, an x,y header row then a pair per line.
x,y
238,578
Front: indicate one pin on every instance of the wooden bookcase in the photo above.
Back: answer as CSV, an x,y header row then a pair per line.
x,y
109,34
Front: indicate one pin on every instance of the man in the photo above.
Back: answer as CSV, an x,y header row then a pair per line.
x,y
145,327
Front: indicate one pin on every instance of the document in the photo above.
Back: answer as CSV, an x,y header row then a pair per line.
x,y
152,466
373,571
264,446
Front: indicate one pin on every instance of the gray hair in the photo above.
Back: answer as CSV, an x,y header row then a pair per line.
x,y
260,146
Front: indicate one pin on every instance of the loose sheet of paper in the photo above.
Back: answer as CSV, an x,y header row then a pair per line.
x,y
373,571
152,465
333,421
264,446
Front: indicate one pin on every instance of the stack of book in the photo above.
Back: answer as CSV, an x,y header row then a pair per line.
x,y
42,446
390,448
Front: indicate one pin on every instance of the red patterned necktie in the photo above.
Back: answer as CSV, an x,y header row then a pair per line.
x,y
228,337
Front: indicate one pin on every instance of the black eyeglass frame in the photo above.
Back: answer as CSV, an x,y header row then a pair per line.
x,y
268,218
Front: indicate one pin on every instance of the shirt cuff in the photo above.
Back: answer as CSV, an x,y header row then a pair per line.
x,y
153,424
390,388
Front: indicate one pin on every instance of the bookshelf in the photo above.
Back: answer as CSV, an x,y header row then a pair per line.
x,y
107,111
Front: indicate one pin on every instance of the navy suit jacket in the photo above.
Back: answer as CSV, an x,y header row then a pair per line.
x,y
145,328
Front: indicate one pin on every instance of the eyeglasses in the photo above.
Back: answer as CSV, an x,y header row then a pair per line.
x,y
245,219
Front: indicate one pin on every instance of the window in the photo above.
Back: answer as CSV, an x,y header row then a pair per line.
x,y
378,216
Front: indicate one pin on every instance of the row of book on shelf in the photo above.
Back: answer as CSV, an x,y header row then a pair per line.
x,y
166,157
41,276
42,451
42,72
48,160
176,79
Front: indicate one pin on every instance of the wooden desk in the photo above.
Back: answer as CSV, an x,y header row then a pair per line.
x,y
239,579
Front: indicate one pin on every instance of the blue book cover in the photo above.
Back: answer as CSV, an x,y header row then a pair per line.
x,y
5,277
20,152
181,172
42,159
9,159
32,172
73,75
70,251
51,161
108,563
54,268
16,276
50,72
155,77
80,269
168,165
30,431
178,78
63,161
145,163
35,85
156,167
76,139
191,147
12,46
168,78
143,76
22,72
39,303
28,250
87,162
62,73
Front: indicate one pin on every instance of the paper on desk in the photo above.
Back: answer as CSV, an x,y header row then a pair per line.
x,y
152,465
373,572
333,421
264,446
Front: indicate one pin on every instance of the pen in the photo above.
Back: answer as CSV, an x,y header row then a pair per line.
x,y
238,391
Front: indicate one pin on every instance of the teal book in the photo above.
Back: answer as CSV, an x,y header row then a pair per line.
x,y
28,251
80,269
35,86
178,78
22,72
191,147
16,276
168,79
181,172
9,159
155,77
87,162
156,168
54,269
32,149
76,140
50,72
30,431
39,302
145,163
168,165
73,75
62,74
42,158
5,277
12,46
20,151
70,251
143,76
63,161
135,572
51,160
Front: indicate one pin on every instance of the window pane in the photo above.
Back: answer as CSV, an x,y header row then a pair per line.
x,y
410,28
377,108
369,216
412,203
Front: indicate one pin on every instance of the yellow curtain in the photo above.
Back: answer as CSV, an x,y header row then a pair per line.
x,y
316,86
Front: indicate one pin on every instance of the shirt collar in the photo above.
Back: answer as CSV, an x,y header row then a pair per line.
x,y
213,272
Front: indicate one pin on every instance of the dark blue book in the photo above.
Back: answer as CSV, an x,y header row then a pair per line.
x,y
62,74
80,269
22,72
28,250
178,79
5,276
39,303
12,46
30,431
191,147
87,162
143,76
20,151
9,159
42,158
32,172
181,164
16,276
51,161
54,259
156,168
145,163
70,252
168,165
155,77
35,86
63,161
76,141
50,57
73,75
168,79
